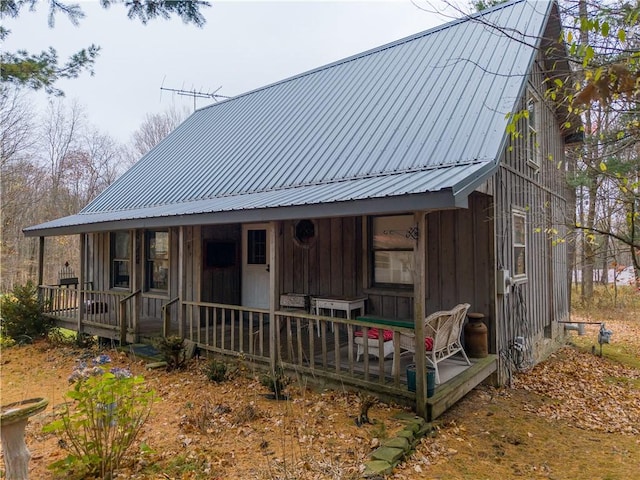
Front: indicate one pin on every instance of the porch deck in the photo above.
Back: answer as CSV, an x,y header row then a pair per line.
x,y
323,349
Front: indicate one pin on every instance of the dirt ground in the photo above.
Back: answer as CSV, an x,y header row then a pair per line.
x,y
576,415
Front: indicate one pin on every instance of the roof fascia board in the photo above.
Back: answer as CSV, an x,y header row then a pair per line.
x,y
443,199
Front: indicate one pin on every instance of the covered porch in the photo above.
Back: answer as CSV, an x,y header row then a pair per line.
x,y
325,350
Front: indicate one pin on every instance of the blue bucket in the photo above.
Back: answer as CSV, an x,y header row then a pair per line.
x,y
431,379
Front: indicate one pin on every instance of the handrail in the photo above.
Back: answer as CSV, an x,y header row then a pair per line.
x,y
166,316
123,315
131,295
170,302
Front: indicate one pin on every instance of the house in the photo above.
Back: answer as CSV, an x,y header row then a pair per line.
x,y
374,190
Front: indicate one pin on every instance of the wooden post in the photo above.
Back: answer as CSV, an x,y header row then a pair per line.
x,y
82,280
181,279
419,300
135,283
41,262
274,290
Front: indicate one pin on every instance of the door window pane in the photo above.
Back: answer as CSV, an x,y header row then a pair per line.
x,y
257,247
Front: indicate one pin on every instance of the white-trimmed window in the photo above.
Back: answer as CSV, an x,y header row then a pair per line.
x,y
120,259
392,250
534,154
519,220
157,260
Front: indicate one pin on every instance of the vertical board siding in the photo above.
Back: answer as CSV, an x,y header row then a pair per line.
x,y
329,265
534,306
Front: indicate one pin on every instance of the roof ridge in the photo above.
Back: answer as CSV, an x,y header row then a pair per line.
x,y
373,50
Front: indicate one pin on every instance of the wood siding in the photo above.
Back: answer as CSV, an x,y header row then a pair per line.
x,y
534,306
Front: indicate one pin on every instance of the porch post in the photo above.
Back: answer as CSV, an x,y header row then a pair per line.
x,y
181,292
135,281
419,300
81,280
41,262
274,278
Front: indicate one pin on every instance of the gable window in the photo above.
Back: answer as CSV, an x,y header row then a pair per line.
x,y
533,128
392,250
519,245
120,259
157,260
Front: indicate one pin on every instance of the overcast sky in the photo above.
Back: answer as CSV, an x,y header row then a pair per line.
x,y
244,45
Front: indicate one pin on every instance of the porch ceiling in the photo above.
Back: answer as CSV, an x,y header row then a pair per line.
x,y
435,188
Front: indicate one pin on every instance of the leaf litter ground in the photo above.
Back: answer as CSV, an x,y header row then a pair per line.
x,y
575,415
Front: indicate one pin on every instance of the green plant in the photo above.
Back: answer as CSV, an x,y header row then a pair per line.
x,y
173,350
21,314
104,416
217,371
6,342
276,381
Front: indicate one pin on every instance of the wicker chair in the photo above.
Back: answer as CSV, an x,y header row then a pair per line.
x,y
445,330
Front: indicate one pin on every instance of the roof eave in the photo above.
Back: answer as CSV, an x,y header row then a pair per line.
x,y
443,199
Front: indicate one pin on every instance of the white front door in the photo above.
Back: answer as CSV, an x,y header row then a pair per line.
x,y
255,265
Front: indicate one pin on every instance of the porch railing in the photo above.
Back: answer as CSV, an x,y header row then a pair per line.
x,y
310,344
228,329
99,309
327,345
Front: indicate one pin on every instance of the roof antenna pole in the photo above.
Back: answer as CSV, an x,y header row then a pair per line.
x,y
197,94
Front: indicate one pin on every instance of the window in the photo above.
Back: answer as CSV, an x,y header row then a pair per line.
x,y
533,127
304,233
392,240
157,261
120,259
519,245
257,247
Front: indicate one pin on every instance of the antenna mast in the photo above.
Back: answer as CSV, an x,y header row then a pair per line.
x,y
196,94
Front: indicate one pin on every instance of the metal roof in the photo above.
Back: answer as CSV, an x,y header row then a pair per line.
x,y
415,117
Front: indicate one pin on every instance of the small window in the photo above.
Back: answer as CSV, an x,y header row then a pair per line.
x,y
533,127
257,247
392,242
120,259
157,264
519,245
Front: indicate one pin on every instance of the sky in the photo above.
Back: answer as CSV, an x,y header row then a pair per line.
x,y
244,45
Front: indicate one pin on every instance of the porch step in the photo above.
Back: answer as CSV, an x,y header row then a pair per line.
x,y
144,351
450,392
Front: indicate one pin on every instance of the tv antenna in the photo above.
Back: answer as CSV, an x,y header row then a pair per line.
x,y
196,94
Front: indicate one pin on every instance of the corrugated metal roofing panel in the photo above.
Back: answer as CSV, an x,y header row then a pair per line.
x,y
389,119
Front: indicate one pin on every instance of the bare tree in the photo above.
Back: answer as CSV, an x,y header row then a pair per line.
x,y
155,128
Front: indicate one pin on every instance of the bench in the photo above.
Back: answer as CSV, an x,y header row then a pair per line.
x,y
373,344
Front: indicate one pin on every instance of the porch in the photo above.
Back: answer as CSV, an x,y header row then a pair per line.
x,y
320,348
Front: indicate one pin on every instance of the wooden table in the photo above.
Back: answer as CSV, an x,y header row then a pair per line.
x,y
333,304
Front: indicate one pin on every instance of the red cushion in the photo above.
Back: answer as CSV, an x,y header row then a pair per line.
x,y
387,335
428,343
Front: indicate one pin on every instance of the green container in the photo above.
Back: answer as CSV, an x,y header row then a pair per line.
x,y
431,379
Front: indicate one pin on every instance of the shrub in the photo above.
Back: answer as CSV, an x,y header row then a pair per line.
x,y
217,371
276,381
104,417
21,314
173,350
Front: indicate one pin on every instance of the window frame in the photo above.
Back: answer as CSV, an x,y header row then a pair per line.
x,y
113,258
151,258
408,250
532,148
519,243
